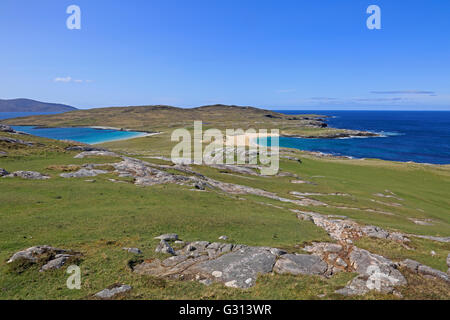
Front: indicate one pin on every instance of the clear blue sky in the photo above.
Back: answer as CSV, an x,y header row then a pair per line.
x,y
285,54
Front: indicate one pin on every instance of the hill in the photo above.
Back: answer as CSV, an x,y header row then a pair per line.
x,y
28,105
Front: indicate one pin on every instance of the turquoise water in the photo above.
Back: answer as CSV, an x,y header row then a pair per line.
x,y
84,135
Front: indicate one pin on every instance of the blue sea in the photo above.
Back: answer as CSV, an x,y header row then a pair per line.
x,y
84,135
419,136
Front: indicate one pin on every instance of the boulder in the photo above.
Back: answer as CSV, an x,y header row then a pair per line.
x,y
238,269
133,250
3,172
113,291
164,247
5,128
84,148
56,263
30,175
300,264
34,254
95,153
16,141
82,173
168,237
424,270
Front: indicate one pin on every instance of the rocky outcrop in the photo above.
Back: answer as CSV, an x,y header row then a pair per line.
x,y
51,258
57,262
30,175
433,238
3,172
16,141
301,264
375,272
238,266
164,247
84,148
233,265
347,230
167,237
426,271
83,173
343,133
5,128
96,153
113,291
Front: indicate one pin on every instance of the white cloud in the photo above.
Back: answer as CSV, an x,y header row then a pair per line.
x,y
70,79
61,79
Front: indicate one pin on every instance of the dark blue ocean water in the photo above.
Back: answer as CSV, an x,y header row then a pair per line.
x,y
418,136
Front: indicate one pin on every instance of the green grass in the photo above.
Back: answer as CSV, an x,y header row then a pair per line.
x,y
99,218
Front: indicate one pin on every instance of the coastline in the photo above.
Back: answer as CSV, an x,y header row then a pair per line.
x,y
142,135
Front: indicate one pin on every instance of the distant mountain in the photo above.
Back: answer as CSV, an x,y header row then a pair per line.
x,y
27,105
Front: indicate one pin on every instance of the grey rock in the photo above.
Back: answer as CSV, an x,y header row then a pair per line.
x,y
34,254
438,239
168,237
358,286
56,263
448,260
5,128
16,141
300,264
84,148
111,293
82,173
164,247
133,250
30,175
238,269
424,270
85,154
224,238
3,172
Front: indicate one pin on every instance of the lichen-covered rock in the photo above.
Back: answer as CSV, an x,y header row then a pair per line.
x,y
114,291
29,175
424,270
57,262
95,153
84,148
300,264
34,254
238,269
168,237
164,247
82,173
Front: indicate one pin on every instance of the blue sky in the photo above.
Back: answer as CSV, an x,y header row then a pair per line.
x,y
285,54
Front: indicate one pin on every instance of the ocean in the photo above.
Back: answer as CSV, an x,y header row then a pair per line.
x,y
418,136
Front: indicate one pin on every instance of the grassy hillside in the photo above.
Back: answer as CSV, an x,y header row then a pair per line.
x,y
163,118
98,217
